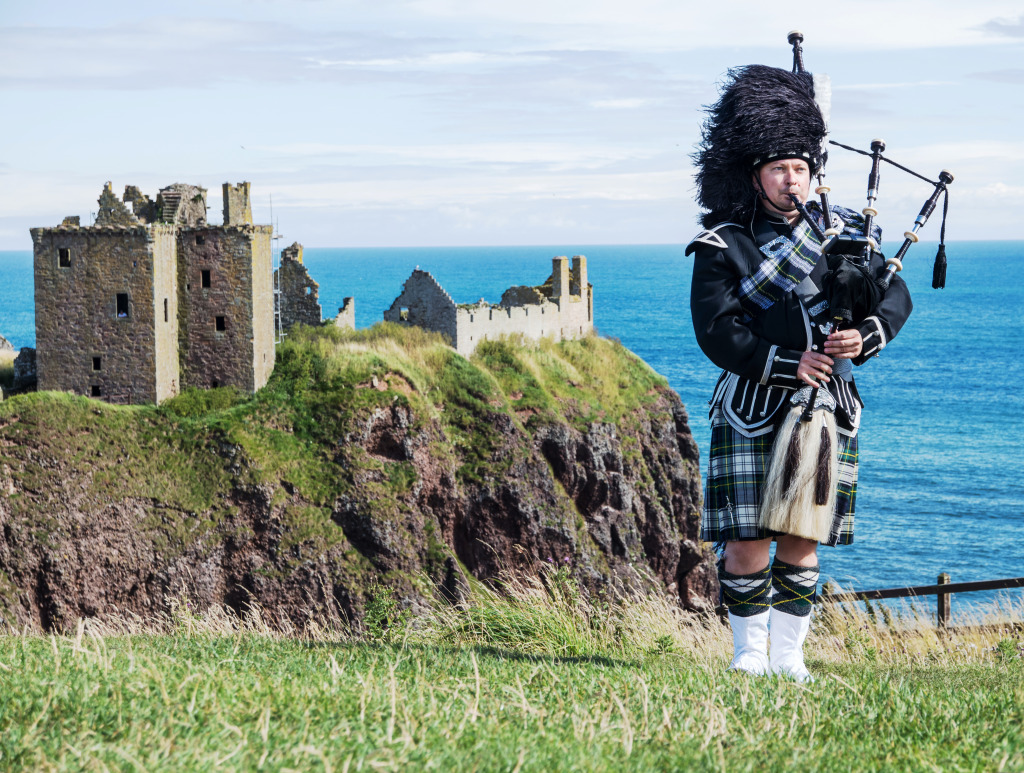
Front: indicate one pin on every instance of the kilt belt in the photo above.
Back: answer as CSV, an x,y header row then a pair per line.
x,y
752,408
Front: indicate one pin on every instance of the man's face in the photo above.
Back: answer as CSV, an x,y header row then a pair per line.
x,y
781,178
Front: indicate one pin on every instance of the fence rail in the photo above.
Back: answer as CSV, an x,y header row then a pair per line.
x,y
943,589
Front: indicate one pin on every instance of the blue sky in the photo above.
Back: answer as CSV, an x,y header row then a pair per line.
x,y
462,122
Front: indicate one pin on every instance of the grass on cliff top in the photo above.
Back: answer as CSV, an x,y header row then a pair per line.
x,y
531,679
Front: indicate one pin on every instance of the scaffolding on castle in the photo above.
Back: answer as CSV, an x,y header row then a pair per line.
x,y
275,266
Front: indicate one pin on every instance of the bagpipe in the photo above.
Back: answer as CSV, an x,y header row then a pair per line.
x,y
802,475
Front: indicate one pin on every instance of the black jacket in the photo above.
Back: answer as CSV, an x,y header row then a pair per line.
x,y
760,355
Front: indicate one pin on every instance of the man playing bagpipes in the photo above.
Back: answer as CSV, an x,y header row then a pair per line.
x,y
785,411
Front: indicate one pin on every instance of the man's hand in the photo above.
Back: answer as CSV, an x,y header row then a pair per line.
x,y
844,344
814,368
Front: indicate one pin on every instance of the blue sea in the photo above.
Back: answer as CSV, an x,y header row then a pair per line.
x,y
940,485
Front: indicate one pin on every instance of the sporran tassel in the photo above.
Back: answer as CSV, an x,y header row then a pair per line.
x,y
823,479
792,462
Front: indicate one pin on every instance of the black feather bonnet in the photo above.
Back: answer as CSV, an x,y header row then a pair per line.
x,y
763,114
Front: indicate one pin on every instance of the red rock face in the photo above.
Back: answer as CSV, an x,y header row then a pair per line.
x,y
617,504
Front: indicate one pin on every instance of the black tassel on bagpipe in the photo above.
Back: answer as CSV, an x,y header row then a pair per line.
x,y
939,269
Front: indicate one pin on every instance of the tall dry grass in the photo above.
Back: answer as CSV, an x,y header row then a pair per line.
x,y
548,615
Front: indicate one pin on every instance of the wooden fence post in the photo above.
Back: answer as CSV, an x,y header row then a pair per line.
x,y
945,601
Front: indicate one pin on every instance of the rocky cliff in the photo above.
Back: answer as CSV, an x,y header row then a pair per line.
x,y
377,454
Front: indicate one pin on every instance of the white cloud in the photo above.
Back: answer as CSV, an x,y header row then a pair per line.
x,y
494,115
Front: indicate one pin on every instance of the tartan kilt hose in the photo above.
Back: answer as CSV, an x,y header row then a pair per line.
x,y
732,493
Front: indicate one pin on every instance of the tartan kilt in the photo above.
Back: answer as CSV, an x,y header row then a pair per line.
x,y
732,493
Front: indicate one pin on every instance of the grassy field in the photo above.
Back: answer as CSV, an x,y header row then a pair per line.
x,y
532,679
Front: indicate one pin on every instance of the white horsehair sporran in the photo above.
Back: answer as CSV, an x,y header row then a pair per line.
x,y
799,496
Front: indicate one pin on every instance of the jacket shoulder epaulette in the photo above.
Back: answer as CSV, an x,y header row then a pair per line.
x,y
710,237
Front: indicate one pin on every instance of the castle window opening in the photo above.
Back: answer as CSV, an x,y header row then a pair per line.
x,y
64,257
122,305
94,391
96,363
404,315
221,323
206,277
167,316
214,384
200,239
309,291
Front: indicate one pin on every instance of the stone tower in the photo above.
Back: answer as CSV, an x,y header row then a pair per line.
x,y
106,297
226,312
237,209
151,298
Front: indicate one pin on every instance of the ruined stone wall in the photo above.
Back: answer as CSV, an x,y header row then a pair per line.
x,y
424,303
181,204
346,314
482,321
299,294
142,207
531,312
221,338
25,368
558,309
559,321
110,211
83,344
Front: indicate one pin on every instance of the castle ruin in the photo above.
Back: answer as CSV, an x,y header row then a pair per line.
x,y
561,308
151,298
298,293
298,296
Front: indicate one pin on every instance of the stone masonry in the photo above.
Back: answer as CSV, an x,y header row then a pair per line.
x,y
346,314
561,308
150,298
298,294
25,368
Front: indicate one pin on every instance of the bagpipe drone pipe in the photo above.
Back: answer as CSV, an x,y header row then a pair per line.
x,y
802,476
